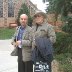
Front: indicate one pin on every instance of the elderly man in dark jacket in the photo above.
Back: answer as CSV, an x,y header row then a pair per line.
x,y
43,36
43,51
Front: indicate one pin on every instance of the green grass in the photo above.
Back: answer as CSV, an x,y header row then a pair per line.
x,y
6,33
65,62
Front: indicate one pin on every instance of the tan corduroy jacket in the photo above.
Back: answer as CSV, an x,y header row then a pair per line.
x,y
26,42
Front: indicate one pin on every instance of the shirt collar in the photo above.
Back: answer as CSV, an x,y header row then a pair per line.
x,y
42,24
22,28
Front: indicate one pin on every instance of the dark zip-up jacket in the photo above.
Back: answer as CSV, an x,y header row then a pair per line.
x,y
43,50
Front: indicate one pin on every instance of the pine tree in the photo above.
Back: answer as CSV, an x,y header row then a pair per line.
x,y
24,10
62,7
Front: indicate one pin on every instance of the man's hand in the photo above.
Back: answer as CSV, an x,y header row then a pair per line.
x,y
14,44
18,42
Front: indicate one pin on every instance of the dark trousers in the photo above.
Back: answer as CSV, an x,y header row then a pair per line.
x,y
24,66
50,58
48,62
50,69
42,67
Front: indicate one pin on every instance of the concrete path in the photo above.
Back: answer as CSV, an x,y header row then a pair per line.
x,y
7,63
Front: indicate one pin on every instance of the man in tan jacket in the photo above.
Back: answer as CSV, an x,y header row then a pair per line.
x,y
23,43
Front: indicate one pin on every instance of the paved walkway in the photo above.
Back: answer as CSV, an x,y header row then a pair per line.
x,y
7,63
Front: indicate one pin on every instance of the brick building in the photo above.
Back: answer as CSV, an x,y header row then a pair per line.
x,y
9,10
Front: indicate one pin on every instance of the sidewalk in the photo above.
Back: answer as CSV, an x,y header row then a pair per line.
x,y
7,63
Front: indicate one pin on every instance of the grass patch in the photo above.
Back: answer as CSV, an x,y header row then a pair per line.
x,y
6,33
65,62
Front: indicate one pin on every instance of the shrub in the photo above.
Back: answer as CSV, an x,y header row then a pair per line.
x,y
63,43
65,62
24,10
67,27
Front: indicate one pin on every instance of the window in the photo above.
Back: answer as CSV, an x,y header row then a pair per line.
x,y
10,8
1,8
46,0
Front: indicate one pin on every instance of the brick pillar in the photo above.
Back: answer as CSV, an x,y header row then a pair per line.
x,y
5,12
17,6
28,1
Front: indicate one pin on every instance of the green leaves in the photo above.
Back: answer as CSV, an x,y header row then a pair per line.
x,y
63,45
67,27
59,7
24,10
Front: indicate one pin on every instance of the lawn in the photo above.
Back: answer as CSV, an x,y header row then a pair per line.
x,y
65,62
6,33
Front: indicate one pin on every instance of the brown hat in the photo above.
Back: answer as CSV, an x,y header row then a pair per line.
x,y
40,13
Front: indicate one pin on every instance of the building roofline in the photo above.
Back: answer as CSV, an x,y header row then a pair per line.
x,y
33,5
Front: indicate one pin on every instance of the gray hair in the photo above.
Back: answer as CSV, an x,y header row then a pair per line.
x,y
41,13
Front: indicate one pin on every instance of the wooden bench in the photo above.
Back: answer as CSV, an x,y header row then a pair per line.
x,y
12,25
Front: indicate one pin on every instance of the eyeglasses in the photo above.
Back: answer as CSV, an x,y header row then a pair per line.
x,y
37,16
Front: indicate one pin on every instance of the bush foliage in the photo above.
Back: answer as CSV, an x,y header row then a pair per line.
x,y
63,43
63,47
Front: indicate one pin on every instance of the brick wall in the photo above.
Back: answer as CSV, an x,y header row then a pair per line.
x,y
1,22
5,20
